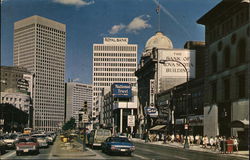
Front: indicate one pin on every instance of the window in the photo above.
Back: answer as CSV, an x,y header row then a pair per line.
x,y
241,85
226,57
241,51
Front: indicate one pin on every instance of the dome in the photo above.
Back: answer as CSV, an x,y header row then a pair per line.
x,y
159,40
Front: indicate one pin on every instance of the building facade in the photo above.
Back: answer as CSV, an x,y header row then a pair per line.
x,y
161,68
113,61
39,46
76,94
227,32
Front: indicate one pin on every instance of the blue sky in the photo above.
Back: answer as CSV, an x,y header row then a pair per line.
x,y
88,21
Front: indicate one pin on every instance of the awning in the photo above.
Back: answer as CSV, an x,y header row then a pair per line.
x,y
240,124
157,127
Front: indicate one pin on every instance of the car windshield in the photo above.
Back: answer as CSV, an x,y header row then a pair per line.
x,y
27,140
119,139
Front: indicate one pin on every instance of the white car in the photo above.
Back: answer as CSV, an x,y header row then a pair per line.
x,y
42,140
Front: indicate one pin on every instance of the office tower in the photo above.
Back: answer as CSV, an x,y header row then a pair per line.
x,y
39,46
113,61
76,95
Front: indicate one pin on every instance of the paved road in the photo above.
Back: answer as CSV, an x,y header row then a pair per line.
x,y
151,151
44,154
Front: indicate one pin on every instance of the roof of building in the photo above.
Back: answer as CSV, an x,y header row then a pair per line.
x,y
160,41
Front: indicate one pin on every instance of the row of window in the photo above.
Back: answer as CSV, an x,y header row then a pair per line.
x,y
115,54
116,64
115,69
50,29
115,74
227,54
116,59
115,48
116,79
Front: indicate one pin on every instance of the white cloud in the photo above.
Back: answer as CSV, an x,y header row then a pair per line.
x,y
138,23
77,3
76,80
116,28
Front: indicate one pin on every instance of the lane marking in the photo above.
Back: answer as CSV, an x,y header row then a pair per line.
x,y
181,157
136,155
7,155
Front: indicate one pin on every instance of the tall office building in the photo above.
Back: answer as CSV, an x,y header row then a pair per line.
x,y
113,61
76,95
39,46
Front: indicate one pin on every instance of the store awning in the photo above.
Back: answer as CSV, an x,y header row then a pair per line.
x,y
158,127
240,124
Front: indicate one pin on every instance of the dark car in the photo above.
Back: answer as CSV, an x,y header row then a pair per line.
x,y
27,145
3,145
118,145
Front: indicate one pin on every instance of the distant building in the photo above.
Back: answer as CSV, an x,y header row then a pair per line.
x,y
76,94
114,61
39,46
118,107
158,71
227,76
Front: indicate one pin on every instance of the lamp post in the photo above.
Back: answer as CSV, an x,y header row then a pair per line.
x,y
186,145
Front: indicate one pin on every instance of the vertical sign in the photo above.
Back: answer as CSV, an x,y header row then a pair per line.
x,y
131,120
152,93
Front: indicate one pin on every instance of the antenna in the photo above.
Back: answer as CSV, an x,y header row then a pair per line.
x,y
158,11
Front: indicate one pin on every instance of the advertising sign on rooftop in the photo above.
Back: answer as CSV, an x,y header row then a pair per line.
x,y
121,90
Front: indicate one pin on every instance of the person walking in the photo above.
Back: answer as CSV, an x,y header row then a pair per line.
x,y
205,141
211,142
236,143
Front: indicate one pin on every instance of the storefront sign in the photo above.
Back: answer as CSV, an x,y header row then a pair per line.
x,y
131,120
196,120
152,92
151,111
122,90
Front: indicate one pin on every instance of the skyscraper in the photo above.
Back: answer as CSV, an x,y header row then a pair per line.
x,y
76,94
113,61
39,46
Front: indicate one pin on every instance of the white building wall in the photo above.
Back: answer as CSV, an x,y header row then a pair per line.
x,y
113,61
39,46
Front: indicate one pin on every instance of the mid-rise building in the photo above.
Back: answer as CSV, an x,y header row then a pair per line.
x,y
76,94
227,69
39,46
114,61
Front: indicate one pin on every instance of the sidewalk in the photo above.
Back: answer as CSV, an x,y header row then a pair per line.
x,y
243,154
70,150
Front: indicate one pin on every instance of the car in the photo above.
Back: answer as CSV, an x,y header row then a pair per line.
x,y
42,140
118,145
10,140
3,145
97,136
27,145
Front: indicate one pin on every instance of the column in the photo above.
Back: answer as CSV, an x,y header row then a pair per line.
x,y
121,120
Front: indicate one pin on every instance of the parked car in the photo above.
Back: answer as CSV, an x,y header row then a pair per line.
x,y
3,145
97,136
10,141
27,145
118,145
41,138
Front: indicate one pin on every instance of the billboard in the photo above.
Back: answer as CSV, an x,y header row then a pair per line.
x,y
121,90
151,111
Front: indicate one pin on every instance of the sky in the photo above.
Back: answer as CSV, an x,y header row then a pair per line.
x,y
88,21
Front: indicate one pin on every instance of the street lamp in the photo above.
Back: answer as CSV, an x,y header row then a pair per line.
x,y
186,145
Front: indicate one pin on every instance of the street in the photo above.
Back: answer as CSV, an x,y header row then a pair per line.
x,y
143,151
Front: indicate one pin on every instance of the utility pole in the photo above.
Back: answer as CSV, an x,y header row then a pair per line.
x,y
85,109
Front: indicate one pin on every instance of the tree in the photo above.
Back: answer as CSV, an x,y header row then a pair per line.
x,y
69,124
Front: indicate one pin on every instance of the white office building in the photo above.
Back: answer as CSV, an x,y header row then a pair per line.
x,y
76,95
39,46
114,61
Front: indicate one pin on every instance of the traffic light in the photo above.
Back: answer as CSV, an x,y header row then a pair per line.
x,y
85,106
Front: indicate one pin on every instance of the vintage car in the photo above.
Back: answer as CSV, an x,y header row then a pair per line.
x,y
3,145
10,141
27,145
42,140
118,145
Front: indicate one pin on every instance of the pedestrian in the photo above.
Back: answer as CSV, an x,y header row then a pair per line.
x,y
205,141
223,145
165,139
191,139
178,138
217,143
197,139
236,143
146,137
211,142
172,138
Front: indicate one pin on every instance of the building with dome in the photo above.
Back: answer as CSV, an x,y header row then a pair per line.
x,y
161,67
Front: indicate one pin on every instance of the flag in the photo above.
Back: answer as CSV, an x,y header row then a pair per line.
x,y
158,9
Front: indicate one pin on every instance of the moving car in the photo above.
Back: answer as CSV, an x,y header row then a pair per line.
x,y
118,145
3,145
97,136
10,140
27,145
42,140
